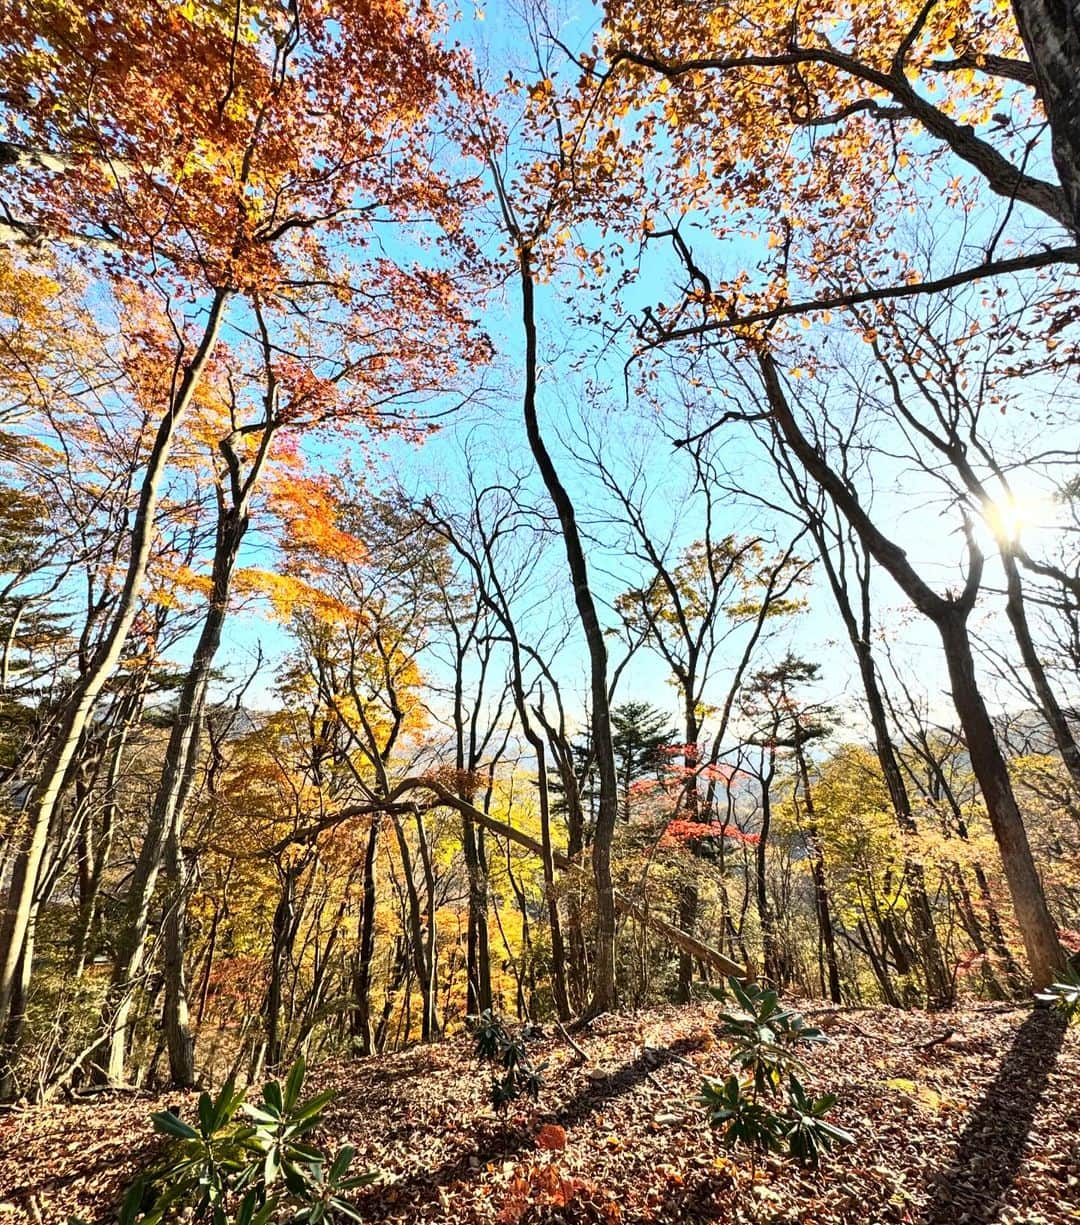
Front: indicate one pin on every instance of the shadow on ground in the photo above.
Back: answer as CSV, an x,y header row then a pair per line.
x,y
991,1148
500,1143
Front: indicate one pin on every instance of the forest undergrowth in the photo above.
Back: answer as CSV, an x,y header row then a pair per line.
x,y
965,1116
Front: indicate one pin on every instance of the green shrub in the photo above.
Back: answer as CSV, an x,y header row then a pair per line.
x,y
764,1105
1064,996
229,1171
518,1077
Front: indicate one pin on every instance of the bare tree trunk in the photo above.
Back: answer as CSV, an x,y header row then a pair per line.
x,y
177,774
773,969
1044,693
1037,926
429,985
417,942
1051,34
178,1037
478,956
280,951
604,997
822,906
80,706
362,1029
1044,952
558,951
688,890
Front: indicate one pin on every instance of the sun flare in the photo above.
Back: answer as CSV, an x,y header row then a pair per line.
x,y
1014,514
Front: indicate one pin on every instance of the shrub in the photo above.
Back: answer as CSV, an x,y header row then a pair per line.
x,y
495,1044
1064,996
764,1105
228,1171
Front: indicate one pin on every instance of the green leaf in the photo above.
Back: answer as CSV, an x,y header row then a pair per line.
x,y
344,1208
207,1113
167,1122
341,1163
272,1098
226,1103
312,1107
295,1082
271,1166
129,1210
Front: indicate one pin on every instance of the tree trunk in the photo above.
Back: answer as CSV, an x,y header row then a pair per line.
x,y
1051,33
429,984
478,954
81,704
1044,693
178,1037
679,939
1044,952
770,953
417,942
280,939
1037,927
688,890
558,951
362,1030
604,997
940,990
822,907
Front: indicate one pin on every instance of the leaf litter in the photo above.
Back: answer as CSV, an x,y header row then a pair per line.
x,y
975,1126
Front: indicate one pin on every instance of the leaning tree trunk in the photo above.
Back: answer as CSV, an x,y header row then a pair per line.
x,y
1045,955
678,939
1037,927
80,706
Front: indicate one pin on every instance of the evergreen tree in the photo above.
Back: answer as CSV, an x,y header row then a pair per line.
x,y
640,734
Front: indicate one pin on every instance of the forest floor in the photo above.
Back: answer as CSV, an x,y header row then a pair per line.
x,y
980,1126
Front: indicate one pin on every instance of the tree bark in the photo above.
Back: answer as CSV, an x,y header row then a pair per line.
x,y
1051,33
604,994
362,1029
179,1039
166,819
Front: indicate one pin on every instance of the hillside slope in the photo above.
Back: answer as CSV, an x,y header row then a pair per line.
x,y
982,1126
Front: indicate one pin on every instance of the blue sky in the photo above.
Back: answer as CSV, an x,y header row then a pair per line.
x,y
907,503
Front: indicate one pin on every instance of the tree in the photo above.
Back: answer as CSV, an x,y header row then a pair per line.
x,y
718,594
785,112
640,734
792,724
949,615
251,209
846,563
